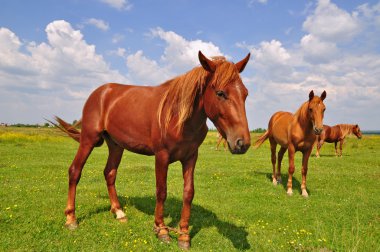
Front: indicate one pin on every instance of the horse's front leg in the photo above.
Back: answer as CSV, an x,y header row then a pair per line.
x,y
291,153
305,161
341,147
188,195
162,162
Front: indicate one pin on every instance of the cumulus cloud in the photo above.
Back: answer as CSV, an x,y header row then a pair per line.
x,y
179,56
146,71
66,65
331,56
328,22
118,4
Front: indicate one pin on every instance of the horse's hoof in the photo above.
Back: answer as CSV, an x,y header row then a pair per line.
x,y
165,238
279,181
72,225
305,194
274,182
290,192
185,245
122,219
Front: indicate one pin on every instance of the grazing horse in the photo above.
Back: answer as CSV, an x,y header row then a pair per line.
x,y
337,134
167,121
295,132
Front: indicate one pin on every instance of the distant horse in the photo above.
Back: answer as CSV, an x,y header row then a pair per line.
x,y
221,140
337,134
167,121
295,133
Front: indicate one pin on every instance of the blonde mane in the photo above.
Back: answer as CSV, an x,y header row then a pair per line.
x,y
346,129
301,113
178,100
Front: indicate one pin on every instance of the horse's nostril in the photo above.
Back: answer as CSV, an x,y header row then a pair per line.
x,y
239,143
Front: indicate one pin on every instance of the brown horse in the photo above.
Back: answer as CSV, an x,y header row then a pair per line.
x,y
295,133
337,134
167,121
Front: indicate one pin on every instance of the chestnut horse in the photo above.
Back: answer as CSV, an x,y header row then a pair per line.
x,y
337,134
295,133
167,121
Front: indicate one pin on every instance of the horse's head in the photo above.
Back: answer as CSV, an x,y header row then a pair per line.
x,y
224,101
356,131
316,109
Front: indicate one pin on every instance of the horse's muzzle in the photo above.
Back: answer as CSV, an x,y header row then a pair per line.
x,y
240,147
317,131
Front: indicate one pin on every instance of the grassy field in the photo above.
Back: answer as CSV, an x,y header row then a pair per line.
x,y
236,207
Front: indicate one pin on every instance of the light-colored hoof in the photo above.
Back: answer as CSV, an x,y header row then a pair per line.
x,y
165,238
72,225
274,181
184,245
290,192
184,241
162,234
120,215
304,193
122,219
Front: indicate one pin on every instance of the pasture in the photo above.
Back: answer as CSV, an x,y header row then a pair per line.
x,y
236,207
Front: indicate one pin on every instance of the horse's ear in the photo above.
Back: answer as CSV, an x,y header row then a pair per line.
x,y
357,126
311,95
323,95
241,64
207,64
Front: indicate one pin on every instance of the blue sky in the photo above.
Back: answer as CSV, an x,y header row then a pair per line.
x,y
54,53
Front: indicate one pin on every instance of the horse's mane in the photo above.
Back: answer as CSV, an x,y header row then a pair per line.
x,y
178,100
301,114
346,129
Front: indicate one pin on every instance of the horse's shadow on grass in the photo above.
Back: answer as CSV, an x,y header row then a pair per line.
x,y
200,218
284,177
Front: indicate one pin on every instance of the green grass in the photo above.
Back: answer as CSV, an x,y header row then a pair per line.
x,y
236,207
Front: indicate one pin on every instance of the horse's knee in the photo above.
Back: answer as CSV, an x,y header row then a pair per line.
x,y
74,175
291,170
188,195
161,194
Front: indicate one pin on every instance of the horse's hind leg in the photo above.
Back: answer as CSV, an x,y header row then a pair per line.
x,y
110,172
273,146
281,153
75,171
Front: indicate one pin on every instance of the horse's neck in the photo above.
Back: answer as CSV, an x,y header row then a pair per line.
x,y
345,129
303,118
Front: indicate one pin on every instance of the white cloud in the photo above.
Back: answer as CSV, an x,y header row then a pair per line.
x,y
118,4
181,54
146,71
328,22
331,56
66,65
316,50
98,23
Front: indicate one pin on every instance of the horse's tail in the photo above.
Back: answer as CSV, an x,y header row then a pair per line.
x,y
261,139
68,128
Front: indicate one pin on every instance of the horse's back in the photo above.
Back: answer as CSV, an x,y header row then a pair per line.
x,y
278,126
125,112
332,134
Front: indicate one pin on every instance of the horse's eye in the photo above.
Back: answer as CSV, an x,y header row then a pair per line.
x,y
324,110
221,94
310,110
